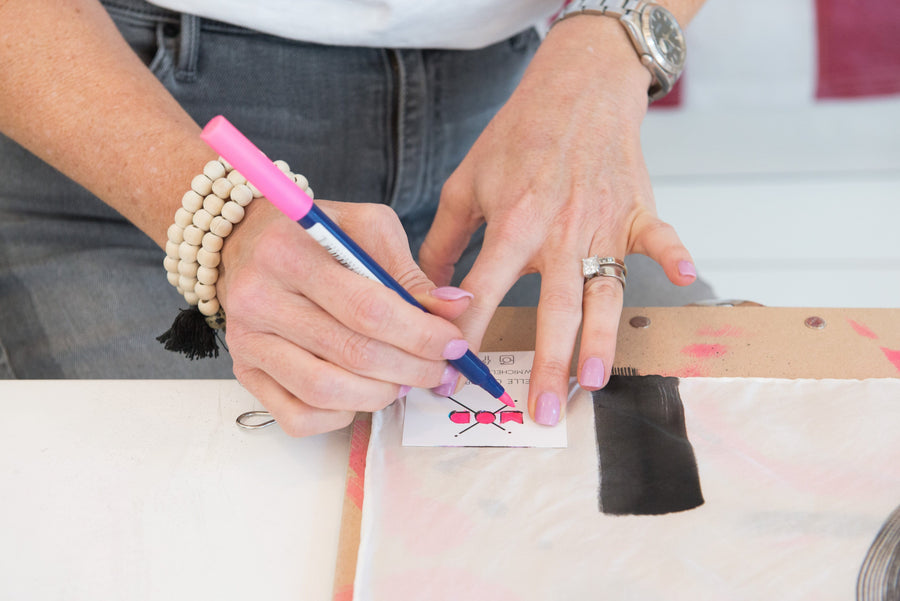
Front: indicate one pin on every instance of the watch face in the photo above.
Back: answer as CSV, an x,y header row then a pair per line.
x,y
664,37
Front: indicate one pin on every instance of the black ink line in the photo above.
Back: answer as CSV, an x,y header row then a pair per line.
x,y
647,463
461,405
879,576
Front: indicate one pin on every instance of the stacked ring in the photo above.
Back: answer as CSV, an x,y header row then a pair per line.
x,y
610,267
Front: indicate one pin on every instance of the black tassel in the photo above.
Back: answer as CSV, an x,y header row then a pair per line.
x,y
191,335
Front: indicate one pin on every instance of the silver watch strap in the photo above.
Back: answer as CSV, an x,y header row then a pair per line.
x,y
616,8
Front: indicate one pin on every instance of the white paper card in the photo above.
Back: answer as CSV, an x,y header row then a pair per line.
x,y
473,418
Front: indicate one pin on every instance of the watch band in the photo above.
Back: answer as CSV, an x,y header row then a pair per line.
x,y
616,8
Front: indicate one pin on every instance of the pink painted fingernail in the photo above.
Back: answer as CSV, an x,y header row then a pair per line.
x,y
450,293
546,412
687,268
404,390
444,389
592,373
450,375
455,349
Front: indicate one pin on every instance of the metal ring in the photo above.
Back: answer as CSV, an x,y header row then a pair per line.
x,y
590,266
608,271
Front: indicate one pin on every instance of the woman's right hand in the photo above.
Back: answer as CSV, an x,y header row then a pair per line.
x,y
315,342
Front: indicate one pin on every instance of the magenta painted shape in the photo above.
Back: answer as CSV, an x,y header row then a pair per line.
x,y
484,417
511,416
460,417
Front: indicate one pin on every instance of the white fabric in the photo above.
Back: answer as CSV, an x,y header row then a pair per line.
x,y
459,24
798,476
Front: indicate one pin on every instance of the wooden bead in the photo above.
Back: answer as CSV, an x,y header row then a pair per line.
x,y
212,242
236,178
193,235
225,163
188,269
204,291
183,218
213,204
222,188
173,278
220,226
283,166
172,250
214,170
207,275
256,192
175,233
186,283
209,307
301,181
208,259
202,219
241,194
171,264
191,201
201,184
310,193
233,212
187,252
191,298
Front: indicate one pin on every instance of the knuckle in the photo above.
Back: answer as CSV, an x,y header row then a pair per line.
x,y
603,289
553,369
562,300
358,351
367,312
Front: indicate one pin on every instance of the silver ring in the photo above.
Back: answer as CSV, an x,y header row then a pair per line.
x,y
609,267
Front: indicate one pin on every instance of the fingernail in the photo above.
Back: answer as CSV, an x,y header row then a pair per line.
x,y
404,390
546,411
444,389
687,268
455,349
450,375
592,373
450,293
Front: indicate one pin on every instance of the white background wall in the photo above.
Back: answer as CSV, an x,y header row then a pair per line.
x,y
782,199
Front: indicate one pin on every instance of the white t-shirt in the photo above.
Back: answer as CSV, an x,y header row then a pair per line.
x,y
379,23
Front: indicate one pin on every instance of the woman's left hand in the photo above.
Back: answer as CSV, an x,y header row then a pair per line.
x,y
558,175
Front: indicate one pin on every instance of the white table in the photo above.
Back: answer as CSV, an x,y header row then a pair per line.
x,y
148,490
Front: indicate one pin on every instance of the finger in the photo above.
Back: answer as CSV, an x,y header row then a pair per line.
x,y
294,416
602,310
454,223
360,304
659,241
319,383
558,319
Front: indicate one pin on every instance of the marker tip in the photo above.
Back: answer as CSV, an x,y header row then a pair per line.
x,y
507,400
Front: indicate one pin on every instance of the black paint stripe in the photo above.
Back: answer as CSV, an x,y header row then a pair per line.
x,y
647,464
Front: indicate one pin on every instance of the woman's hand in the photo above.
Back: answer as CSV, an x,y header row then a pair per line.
x,y
558,176
315,342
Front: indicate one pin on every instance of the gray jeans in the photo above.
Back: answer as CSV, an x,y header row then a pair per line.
x,y
83,293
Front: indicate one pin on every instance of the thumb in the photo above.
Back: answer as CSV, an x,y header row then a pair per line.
x,y
454,223
658,240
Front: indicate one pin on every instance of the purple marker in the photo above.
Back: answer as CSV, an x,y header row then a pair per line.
x,y
282,192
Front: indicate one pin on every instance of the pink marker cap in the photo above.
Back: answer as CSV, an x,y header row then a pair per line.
x,y
253,164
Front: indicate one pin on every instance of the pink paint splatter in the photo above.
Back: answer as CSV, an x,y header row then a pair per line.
x,y
359,447
732,331
705,351
694,370
893,356
862,330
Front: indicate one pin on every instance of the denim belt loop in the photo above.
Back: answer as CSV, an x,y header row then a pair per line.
x,y
188,49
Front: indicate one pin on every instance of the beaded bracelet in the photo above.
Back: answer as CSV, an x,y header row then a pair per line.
x,y
209,211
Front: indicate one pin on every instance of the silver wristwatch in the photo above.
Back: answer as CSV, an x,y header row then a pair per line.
x,y
653,30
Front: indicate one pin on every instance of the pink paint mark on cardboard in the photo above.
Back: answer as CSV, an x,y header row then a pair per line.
x,y
705,351
862,330
892,356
